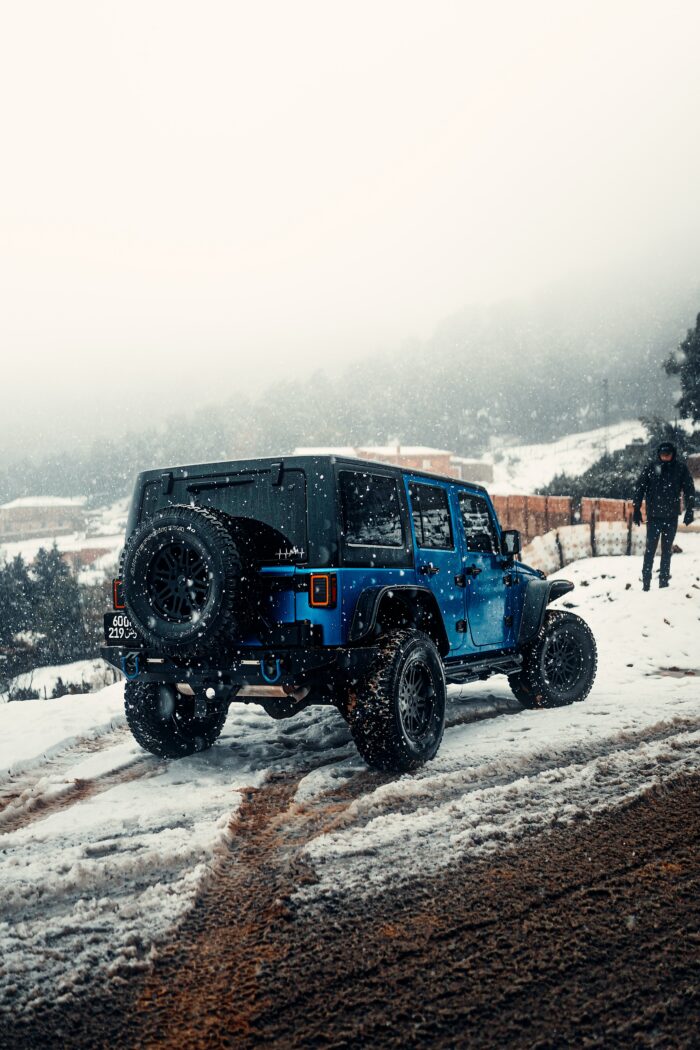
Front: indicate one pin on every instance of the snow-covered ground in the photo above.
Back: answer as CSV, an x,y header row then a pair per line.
x,y
104,846
525,468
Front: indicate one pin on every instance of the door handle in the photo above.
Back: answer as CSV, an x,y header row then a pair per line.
x,y
472,570
429,569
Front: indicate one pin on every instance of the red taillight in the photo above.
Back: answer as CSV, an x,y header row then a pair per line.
x,y
323,590
117,594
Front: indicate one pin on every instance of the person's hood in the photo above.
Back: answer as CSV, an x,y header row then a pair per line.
x,y
666,446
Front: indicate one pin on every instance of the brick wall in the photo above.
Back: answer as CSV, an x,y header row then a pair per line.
x,y
606,509
537,515
533,515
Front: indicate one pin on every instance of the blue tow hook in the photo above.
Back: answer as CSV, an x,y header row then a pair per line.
x,y
125,661
268,678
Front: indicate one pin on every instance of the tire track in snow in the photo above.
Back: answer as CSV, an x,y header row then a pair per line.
x,y
40,800
428,788
365,858
56,760
228,940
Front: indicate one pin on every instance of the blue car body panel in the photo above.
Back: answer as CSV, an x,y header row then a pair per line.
x,y
480,613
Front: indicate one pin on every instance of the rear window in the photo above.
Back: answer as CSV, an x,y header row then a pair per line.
x,y
371,510
431,517
275,501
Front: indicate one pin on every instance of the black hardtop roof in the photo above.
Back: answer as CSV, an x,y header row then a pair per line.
x,y
298,462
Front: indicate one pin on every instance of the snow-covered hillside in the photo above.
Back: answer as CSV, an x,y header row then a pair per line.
x,y
104,846
525,468
88,675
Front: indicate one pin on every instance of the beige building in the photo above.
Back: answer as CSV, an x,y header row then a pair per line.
x,y
472,470
413,457
30,516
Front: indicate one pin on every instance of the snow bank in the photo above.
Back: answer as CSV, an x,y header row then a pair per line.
x,y
91,674
34,730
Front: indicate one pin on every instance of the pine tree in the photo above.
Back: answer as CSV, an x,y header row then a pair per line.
x,y
58,614
686,364
15,600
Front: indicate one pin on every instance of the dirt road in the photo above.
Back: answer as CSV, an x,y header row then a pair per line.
x,y
583,936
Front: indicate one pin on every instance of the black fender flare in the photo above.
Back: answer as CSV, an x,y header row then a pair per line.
x,y
538,595
367,609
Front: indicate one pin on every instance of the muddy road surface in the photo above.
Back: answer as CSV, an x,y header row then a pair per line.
x,y
584,935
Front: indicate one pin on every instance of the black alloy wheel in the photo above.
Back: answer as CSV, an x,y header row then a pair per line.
x,y
416,699
396,711
187,585
562,661
179,582
559,666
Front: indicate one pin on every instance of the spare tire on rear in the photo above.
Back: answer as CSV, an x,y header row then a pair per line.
x,y
185,581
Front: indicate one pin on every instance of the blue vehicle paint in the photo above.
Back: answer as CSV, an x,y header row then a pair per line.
x,y
479,598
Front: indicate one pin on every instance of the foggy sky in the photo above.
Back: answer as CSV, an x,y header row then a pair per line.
x,y
198,198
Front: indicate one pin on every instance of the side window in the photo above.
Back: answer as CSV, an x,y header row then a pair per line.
x,y
478,524
431,517
371,509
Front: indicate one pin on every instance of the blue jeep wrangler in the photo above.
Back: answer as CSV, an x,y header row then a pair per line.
x,y
316,579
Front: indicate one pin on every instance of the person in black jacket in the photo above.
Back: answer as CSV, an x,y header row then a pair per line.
x,y
660,484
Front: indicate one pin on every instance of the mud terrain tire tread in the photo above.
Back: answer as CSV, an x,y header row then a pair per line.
x,y
224,621
530,686
372,705
177,736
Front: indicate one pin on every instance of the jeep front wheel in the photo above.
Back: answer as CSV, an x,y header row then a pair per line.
x,y
396,712
559,666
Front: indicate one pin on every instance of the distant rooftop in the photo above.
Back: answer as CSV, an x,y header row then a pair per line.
x,y
404,450
318,450
372,450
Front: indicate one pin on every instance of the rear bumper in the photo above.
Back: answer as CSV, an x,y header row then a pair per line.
x,y
244,670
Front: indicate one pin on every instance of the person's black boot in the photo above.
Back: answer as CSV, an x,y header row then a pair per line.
x,y
663,583
646,584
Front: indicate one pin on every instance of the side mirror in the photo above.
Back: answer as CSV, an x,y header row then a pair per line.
x,y
510,543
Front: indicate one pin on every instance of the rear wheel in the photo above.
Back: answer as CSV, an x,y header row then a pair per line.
x,y
559,667
284,707
163,721
396,712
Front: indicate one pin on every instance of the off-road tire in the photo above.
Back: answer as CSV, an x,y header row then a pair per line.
x,y
163,721
374,710
218,609
541,682
520,690
285,707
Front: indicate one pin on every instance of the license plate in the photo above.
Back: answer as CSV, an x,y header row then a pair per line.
x,y
119,631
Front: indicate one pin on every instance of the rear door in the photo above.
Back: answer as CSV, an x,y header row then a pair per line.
x,y
438,559
486,590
